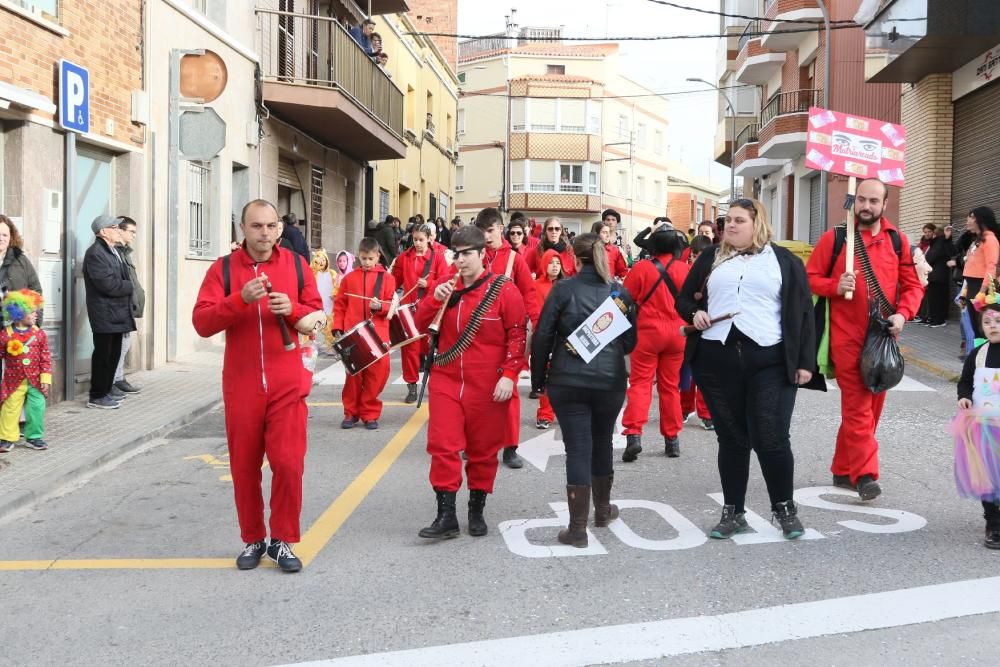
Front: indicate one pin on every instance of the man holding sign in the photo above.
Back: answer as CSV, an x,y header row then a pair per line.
x,y
855,460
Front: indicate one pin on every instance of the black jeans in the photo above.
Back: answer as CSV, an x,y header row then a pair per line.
x,y
587,419
104,363
937,302
751,401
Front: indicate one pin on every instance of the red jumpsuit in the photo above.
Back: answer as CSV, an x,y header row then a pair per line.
x,y
616,262
408,268
495,261
462,409
263,386
856,452
542,288
567,258
660,350
361,391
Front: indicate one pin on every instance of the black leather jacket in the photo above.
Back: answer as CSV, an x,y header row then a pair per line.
x,y
568,305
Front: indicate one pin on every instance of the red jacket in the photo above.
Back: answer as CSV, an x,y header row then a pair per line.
x,y
616,261
659,309
566,256
543,285
255,355
34,350
409,268
349,310
849,319
497,350
496,262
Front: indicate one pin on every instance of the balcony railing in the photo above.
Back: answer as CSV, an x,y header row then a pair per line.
x,y
318,51
749,32
794,101
747,135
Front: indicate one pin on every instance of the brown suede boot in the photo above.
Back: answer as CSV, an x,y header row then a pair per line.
x,y
604,511
578,499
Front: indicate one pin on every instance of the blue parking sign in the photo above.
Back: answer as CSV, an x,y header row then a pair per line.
x,y
74,97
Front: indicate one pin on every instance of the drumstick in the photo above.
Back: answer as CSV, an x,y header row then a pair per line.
x,y
690,328
367,298
286,338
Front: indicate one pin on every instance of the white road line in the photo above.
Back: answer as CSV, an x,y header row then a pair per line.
x,y
681,636
906,384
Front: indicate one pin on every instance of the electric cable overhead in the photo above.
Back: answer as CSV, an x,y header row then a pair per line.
x,y
715,12
616,97
628,38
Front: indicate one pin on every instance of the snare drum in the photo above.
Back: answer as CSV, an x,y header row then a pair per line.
x,y
360,347
403,326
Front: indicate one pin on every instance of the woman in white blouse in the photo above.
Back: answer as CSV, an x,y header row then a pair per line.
x,y
750,365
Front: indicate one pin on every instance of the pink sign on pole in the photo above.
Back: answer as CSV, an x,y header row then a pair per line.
x,y
855,146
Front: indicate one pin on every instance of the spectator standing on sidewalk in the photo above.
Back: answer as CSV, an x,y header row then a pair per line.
x,y
981,260
128,231
939,252
16,270
109,308
293,235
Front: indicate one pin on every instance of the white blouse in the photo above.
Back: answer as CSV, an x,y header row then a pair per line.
x,y
751,286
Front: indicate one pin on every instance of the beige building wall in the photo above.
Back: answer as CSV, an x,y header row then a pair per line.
x,y
403,187
927,113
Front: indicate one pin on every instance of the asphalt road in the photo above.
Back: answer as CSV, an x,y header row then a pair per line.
x,y
134,566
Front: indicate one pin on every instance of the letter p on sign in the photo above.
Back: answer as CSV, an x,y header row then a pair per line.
x,y
74,97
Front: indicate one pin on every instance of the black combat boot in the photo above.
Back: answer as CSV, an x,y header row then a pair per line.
x,y
633,447
446,523
411,393
477,524
671,446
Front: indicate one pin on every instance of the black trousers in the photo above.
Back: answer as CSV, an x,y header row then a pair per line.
x,y
751,401
587,419
104,363
937,302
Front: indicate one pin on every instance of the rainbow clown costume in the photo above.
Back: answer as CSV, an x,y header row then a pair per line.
x,y
27,372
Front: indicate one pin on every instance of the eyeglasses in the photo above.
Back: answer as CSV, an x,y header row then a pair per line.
x,y
516,233
553,229
467,252
743,203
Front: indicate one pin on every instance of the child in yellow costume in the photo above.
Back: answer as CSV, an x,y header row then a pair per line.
x,y
27,371
327,281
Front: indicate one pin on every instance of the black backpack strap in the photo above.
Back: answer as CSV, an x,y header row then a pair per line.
x,y
225,275
664,278
298,272
426,272
840,238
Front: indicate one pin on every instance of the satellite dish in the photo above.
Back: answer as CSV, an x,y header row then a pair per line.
x,y
204,76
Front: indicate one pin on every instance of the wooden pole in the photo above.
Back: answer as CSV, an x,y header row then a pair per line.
x,y
852,187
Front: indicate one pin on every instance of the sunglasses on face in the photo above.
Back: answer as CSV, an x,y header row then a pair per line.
x,y
553,229
467,252
743,203
517,233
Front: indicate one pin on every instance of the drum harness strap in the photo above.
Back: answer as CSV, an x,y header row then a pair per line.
x,y
475,320
424,273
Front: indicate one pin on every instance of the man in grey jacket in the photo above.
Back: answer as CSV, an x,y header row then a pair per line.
x,y
128,231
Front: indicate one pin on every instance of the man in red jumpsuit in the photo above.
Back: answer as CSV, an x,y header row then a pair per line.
x,y
660,350
264,387
466,388
855,460
502,260
365,294
417,267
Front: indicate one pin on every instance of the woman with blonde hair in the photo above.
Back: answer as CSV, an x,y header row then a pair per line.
x,y
756,343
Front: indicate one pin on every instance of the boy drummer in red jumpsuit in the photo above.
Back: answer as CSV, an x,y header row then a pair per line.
x,y
417,267
498,260
365,294
472,380
855,460
264,387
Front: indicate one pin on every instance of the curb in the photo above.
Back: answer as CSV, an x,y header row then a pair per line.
x,y
934,369
52,485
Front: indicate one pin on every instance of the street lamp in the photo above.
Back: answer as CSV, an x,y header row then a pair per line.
x,y
732,135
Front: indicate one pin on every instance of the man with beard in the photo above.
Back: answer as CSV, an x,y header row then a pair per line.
x,y
855,460
553,238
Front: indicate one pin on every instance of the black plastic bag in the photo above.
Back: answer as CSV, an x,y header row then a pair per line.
x,y
881,361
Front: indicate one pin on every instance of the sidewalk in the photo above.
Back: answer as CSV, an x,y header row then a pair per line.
x,y
934,350
81,439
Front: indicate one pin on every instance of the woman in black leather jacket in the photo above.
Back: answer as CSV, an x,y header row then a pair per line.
x,y
587,397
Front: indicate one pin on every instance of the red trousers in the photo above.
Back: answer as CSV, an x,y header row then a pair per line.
x,y
856,453
691,400
659,353
273,424
467,424
545,411
361,391
513,420
410,356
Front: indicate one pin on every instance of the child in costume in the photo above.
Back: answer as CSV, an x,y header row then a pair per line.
x,y
551,267
327,281
27,371
976,427
342,265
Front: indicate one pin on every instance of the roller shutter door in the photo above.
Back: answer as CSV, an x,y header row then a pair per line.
x,y
975,179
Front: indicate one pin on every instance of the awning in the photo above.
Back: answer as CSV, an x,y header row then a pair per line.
x,y
23,97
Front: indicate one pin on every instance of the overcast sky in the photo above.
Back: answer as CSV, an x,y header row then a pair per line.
x,y
661,66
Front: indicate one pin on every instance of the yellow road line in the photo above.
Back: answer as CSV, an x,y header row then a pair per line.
x,y
327,525
314,540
